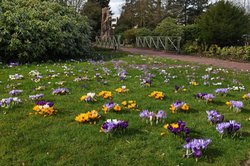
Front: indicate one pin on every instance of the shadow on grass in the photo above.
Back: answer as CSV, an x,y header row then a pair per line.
x,y
195,134
219,103
106,55
193,111
230,95
245,111
212,153
131,132
245,134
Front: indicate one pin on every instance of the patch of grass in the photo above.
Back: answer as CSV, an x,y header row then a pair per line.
x,y
29,139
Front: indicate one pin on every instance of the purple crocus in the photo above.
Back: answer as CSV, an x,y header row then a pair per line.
x,y
146,79
144,114
221,91
196,146
236,105
60,91
110,105
42,103
13,64
178,88
179,128
35,97
114,125
107,127
8,102
122,74
200,95
151,116
178,104
214,117
230,127
15,92
161,114
208,97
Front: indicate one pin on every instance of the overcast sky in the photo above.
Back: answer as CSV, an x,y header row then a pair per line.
x,y
116,7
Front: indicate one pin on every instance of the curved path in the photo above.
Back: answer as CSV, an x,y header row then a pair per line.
x,y
195,59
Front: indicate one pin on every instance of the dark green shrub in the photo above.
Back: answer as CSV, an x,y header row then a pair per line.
x,y
35,30
169,27
131,34
224,24
191,32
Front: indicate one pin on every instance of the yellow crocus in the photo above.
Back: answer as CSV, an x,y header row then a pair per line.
x,y
124,103
83,98
185,107
117,108
228,103
172,108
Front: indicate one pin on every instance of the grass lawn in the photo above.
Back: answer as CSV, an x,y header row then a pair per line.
x,y
30,139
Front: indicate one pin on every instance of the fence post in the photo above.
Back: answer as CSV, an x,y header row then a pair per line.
x,y
137,42
166,44
118,40
178,44
157,43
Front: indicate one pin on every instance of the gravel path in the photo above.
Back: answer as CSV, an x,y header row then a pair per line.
x,y
195,59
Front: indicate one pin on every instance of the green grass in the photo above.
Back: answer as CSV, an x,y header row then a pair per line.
x,y
59,140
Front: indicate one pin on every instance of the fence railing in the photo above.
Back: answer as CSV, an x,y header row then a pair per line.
x,y
159,42
108,42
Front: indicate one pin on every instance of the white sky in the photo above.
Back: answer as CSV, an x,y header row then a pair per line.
x,y
116,6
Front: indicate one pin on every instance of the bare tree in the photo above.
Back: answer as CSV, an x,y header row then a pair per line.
x,y
77,4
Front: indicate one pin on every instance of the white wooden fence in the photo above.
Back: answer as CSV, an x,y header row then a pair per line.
x,y
159,42
108,42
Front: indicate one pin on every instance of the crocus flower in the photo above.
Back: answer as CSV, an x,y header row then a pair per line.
x,y
122,74
179,105
230,127
221,91
109,106
144,114
60,91
157,95
208,97
35,97
214,117
235,105
16,77
113,125
246,96
89,97
9,102
15,92
178,128
196,146
153,117
89,117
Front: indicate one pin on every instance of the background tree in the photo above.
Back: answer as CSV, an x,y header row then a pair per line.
x,y
185,11
104,3
224,24
93,10
140,13
77,4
